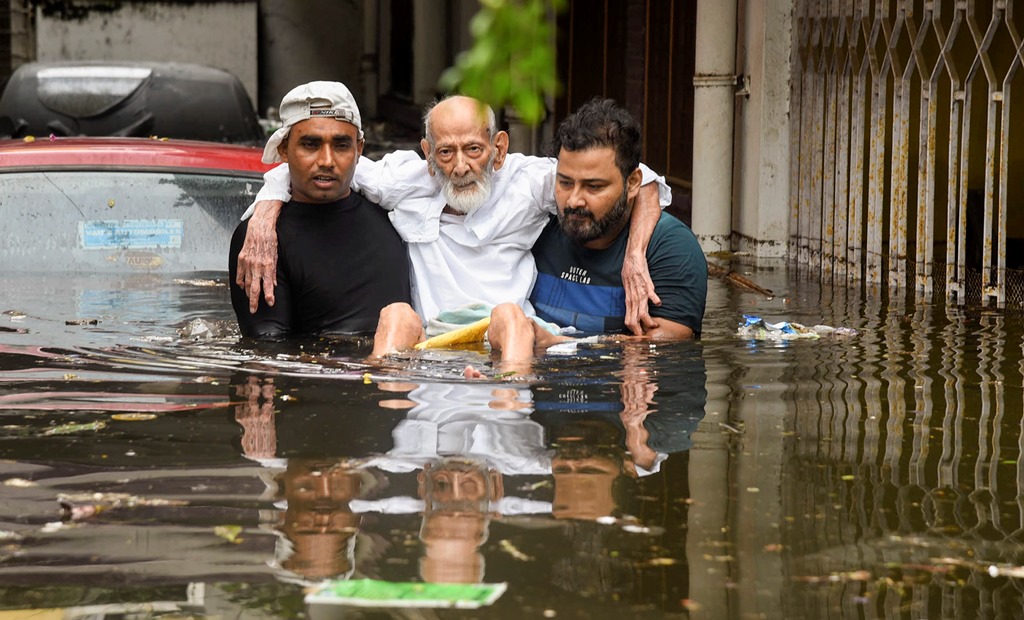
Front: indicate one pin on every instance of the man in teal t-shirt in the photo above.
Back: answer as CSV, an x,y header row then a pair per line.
x,y
579,256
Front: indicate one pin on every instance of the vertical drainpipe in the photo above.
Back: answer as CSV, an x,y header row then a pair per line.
x,y
714,84
369,60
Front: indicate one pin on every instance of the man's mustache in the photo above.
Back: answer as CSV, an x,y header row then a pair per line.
x,y
577,211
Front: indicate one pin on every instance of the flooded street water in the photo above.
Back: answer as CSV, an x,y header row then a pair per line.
x,y
152,464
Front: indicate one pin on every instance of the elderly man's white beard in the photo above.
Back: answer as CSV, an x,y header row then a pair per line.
x,y
471,191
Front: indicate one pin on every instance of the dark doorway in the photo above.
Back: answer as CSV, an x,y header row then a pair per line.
x,y
640,53
401,48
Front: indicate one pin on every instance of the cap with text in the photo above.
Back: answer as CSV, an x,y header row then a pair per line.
x,y
313,100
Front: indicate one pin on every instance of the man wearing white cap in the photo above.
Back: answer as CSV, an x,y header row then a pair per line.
x,y
340,259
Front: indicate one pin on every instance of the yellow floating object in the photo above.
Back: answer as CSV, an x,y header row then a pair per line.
x,y
133,417
474,332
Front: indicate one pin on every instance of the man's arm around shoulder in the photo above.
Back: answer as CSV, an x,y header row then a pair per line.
x,y
261,320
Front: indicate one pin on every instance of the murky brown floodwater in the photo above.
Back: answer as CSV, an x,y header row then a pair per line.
x,y
144,474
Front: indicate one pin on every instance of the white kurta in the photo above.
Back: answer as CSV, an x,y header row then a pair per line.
x,y
483,257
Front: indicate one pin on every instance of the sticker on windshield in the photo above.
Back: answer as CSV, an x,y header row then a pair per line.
x,y
130,234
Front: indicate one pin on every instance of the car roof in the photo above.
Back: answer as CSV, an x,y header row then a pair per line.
x,y
128,154
134,98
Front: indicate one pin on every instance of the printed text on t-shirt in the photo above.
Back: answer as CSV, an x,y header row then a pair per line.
x,y
576,274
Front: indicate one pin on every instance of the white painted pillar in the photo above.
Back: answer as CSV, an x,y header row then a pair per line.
x,y
763,140
714,86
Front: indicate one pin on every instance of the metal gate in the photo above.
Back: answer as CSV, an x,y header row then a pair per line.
x,y
905,175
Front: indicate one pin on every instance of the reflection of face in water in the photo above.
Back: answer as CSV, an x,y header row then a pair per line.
x,y
318,522
456,495
584,476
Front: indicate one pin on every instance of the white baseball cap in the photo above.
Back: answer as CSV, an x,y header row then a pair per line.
x,y
315,99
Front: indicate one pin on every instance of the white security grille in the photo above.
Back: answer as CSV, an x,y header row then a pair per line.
x,y
905,176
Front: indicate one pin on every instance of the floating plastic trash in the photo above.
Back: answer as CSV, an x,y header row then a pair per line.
x,y
374,593
756,328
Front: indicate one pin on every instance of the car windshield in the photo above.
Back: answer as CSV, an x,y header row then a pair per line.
x,y
120,221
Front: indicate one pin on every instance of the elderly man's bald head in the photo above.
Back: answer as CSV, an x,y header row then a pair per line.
x,y
458,107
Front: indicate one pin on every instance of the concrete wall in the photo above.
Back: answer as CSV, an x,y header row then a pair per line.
x,y
17,39
306,40
222,35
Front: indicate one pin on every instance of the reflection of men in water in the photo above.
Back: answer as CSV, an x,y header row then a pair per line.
x,y
319,527
465,419
580,254
255,414
586,467
457,494
276,426
654,409
340,259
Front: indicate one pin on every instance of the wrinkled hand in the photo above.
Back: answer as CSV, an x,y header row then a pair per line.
x,y
257,262
636,279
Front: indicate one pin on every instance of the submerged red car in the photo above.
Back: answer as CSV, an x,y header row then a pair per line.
x,y
122,204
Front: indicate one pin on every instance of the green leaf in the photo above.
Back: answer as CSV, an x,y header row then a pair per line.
x,y
512,59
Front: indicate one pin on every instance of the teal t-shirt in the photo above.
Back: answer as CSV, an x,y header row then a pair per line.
x,y
582,287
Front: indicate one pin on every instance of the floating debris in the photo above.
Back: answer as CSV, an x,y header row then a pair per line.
x,y
203,329
730,428
738,280
74,427
73,512
634,528
133,417
76,506
507,546
20,483
374,593
1006,571
536,485
197,282
756,328
82,322
230,533
855,575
